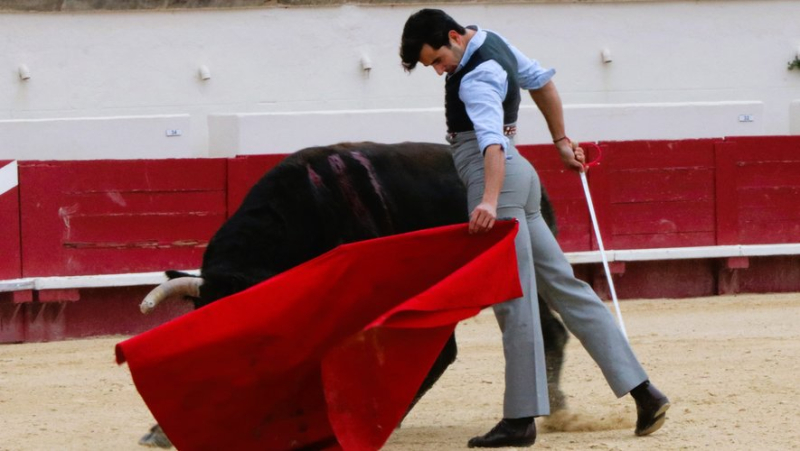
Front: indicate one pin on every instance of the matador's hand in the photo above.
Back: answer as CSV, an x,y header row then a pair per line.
x,y
571,154
482,218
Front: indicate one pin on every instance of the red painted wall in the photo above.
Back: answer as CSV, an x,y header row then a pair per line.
x,y
758,193
10,263
119,216
566,194
116,216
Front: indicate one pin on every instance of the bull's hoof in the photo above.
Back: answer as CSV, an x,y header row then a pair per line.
x,y
156,438
558,401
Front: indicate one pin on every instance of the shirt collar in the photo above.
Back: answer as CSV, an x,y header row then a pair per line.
x,y
472,46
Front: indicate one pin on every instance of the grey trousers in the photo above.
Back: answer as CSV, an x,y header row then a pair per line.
x,y
543,268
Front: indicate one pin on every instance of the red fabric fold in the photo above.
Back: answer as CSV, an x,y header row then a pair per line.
x,y
326,355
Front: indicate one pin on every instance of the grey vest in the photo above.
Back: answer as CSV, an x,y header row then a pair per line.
x,y
493,48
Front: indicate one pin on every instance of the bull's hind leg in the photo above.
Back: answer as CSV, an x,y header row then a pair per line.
x,y
446,357
555,338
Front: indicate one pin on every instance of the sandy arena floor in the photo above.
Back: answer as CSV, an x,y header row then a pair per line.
x,y
730,365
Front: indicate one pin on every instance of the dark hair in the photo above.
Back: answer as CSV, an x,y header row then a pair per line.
x,y
426,26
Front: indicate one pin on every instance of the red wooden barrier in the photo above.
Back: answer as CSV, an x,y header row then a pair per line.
x,y
565,191
10,263
12,309
660,193
758,196
115,216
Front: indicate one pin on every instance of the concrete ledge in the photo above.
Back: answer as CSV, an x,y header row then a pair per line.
x,y
91,281
576,258
16,285
686,253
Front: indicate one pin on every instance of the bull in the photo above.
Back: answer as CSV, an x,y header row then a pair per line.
x,y
321,197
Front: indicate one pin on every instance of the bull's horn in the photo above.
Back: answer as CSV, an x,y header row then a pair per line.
x,y
182,286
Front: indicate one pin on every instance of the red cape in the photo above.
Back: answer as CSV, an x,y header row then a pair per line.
x,y
326,355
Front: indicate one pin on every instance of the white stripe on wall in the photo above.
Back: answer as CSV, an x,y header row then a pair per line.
x,y
8,177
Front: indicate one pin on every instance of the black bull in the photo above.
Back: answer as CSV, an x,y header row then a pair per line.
x,y
320,197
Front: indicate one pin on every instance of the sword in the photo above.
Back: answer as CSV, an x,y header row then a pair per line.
x,y
599,238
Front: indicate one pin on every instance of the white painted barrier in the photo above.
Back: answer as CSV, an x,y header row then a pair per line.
x,y
576,258
97,138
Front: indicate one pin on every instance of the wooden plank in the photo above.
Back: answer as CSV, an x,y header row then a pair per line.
x,y
10,244
172,175
571,212
660,154
112,216
566,195
766,213
766,148
573,238
779,197
784,231
562,185
648,241
663,217
766,189
662,185
725,193
763,173
165,228
544,157
122,202
600,187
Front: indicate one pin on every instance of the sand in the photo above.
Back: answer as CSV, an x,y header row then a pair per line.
x,y
730,365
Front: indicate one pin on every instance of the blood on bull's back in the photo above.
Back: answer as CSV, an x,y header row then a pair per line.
x,y
320,197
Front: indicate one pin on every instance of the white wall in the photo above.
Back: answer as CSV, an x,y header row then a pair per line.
x,y
97,138
258,133
679,70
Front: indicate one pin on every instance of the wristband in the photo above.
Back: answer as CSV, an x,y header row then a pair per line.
x,y
555,141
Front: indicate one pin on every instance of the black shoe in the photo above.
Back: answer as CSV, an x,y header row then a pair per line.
x,y
651,408
507,433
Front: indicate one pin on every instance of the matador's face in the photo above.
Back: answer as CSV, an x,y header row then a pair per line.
x,y
445,58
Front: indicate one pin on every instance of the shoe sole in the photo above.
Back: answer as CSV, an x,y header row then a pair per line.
x,y
509,444
658,421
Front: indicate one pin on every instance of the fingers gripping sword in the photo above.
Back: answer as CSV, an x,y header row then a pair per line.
x,y
599,238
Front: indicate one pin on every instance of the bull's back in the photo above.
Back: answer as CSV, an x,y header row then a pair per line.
x,y
372,190
320,197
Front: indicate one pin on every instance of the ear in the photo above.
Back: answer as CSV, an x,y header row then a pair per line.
x,y
454,37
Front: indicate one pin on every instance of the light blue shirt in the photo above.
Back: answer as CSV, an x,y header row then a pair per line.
x,y
484,88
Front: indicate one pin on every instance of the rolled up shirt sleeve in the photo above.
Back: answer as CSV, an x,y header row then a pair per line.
x,y
482,92
530,74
